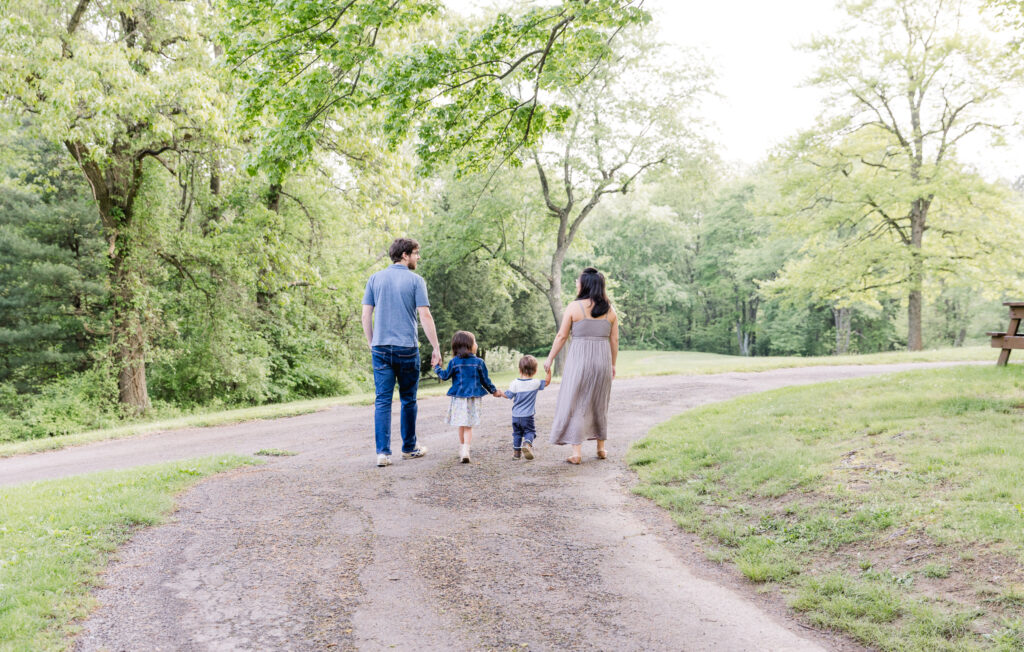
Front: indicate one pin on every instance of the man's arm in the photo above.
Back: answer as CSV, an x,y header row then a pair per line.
x,y
368,324
428,327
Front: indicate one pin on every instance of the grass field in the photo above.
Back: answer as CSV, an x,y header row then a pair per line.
x,y
630,363
890,508
57,535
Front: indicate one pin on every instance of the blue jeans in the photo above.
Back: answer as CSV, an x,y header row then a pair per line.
x,y
392,364
523,431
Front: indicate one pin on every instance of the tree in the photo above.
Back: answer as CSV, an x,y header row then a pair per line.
x,y
627,115
52,301
908,82
117,84
471,93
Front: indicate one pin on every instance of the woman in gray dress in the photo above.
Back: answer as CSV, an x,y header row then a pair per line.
x,y
582,408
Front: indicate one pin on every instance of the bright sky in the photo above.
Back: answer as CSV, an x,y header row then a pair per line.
x,y
751,45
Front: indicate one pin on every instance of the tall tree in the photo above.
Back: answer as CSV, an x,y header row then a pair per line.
x,y
52,300
909,81
629,114
632,115
116,83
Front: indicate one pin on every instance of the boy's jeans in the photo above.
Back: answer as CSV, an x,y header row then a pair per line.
x,y
523,430
391,364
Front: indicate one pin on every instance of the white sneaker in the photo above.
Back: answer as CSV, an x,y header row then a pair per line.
x,y
420,451
464,454
383,460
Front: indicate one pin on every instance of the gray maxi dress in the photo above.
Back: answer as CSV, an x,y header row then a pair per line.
x,y
582,408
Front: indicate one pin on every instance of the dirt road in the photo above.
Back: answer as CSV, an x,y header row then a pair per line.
x,y
326,551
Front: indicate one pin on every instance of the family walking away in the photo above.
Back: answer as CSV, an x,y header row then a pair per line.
x,y
394,298
391,302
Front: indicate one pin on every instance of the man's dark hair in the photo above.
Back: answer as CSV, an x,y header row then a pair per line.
x,y
462,344
402,246
592,287
528,365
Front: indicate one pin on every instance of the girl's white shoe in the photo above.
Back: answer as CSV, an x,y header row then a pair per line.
x,y
464,453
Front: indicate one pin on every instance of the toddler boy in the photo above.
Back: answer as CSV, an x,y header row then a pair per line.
x,y
523,392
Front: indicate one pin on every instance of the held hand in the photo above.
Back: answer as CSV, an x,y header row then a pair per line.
x,y
435,358
547,366
498,394
547,380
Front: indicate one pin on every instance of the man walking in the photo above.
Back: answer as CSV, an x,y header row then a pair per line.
x,y
396,294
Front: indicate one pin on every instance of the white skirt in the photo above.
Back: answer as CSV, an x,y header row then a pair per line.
x,y
464,412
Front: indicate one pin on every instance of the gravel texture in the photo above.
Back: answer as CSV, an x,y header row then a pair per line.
x,y
325,551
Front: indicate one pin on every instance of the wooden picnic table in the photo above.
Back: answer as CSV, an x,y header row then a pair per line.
x,y
1013,338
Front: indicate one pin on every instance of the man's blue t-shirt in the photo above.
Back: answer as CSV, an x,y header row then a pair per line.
x,y
395,293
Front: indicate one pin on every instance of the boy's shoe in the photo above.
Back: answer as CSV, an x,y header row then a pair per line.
x,y
419,451
383,460
516,454
528,450
464,454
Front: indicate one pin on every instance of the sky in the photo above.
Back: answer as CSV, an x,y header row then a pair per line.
x,y
760,72
750,44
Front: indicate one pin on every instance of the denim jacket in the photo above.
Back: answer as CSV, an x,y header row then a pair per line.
x,y
469,377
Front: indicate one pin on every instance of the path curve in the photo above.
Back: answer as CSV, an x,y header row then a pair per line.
x,y
325,551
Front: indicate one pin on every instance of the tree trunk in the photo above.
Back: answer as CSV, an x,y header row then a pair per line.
x,y
114,188
263,293
915,299
960,337
127,333
842,318
554,295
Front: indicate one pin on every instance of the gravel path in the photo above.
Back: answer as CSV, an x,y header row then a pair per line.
x,y
325,551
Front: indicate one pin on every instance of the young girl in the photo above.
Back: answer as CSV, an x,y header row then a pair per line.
x,y
469,383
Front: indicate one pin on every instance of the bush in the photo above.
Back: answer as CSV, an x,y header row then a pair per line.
x,y
72,404
501,358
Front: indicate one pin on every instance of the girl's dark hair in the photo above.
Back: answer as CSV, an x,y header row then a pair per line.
x,y
592,287
462,344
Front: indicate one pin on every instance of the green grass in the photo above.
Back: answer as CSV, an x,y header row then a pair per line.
x,y
274,452
891,508
657,363
57,535
630,363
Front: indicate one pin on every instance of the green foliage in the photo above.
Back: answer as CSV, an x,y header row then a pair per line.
x,y
875,191
307,63
51,266
643,249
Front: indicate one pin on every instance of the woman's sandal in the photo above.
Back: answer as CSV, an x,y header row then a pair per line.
x,y
573,460
602,455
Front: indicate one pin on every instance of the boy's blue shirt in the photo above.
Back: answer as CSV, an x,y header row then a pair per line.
x,y
523,392
469,377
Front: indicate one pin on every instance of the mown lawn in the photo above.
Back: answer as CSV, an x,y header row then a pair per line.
x,y
630,363
56,536
890,508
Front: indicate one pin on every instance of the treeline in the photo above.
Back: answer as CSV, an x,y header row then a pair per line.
x,y
193,194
